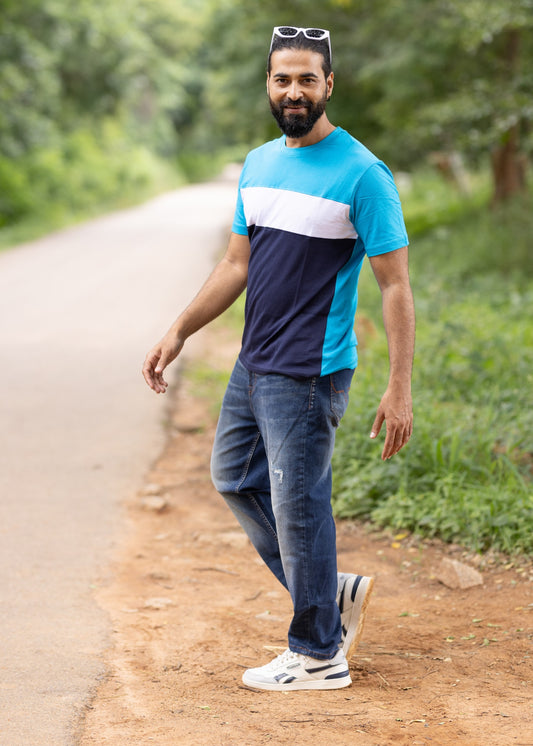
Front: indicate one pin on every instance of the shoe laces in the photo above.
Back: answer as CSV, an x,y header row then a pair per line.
x,y
286,657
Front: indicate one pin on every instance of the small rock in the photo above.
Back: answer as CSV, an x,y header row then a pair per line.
x,y
156,503
158,603
235,539
455,574
156,575
151,489
187,428
268,617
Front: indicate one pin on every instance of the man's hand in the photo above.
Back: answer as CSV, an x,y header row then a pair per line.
x,y
157,360
396,411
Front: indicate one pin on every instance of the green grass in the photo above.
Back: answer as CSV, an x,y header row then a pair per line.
x,y
466,474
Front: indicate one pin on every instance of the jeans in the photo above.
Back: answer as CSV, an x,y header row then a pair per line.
x,y
271,462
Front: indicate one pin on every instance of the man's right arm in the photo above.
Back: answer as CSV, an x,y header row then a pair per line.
x,y
223,286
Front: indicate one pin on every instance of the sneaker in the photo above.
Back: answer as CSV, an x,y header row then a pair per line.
x,y
291,671
352,599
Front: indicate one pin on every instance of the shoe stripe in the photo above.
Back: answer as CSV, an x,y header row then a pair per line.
x,y
356,586
284,678
341,599
320,668
339,675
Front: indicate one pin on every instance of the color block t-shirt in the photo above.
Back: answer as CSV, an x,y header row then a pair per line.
x,y
311,214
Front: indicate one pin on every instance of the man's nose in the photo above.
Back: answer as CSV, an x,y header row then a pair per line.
x,y
295,92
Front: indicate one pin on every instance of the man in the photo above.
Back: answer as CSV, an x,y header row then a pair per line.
x,y
310,206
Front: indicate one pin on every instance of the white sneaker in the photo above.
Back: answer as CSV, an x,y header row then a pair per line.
x,y
353,596
291,671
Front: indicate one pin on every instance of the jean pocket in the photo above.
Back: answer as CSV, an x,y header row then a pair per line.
x,y
340,393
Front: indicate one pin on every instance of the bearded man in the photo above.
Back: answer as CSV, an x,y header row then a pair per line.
x,y
311,205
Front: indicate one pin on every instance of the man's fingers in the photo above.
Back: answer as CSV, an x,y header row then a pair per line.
x,y
157,360
153,367
396,438
378,422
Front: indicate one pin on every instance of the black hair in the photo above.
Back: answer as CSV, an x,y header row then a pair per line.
x,y
300,41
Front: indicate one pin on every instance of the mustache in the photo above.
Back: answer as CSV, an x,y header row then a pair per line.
x,y
300,102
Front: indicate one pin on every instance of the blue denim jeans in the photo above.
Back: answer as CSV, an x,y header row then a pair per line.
x,y
272,463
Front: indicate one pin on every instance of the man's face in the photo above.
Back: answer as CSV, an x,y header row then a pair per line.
x,y
297,90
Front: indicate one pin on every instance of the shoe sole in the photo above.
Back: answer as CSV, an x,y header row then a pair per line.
x,y
362,598
294,686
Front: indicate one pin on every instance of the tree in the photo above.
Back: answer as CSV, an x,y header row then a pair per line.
x,y
412,76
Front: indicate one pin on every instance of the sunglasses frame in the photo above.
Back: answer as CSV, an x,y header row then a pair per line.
x,y
298,30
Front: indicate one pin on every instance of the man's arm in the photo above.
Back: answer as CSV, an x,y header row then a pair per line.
x,y
220,290
396,408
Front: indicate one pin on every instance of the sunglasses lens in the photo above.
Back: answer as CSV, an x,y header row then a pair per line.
x,y
288,31
315,33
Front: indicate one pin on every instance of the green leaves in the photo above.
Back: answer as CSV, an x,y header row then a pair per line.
x,y
466,474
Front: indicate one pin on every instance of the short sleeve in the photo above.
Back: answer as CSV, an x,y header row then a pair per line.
x,y
378,216
239,219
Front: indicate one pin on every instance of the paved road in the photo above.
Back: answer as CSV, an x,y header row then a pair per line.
x,y
78,430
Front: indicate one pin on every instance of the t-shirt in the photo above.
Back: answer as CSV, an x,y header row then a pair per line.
x,y
311,214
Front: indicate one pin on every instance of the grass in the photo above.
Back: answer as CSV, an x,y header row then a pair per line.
x,y
466,474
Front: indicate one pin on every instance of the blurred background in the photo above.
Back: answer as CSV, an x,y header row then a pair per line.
x,y
105,104
99,100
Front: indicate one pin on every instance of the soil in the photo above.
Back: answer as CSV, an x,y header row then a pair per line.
x,y
191,607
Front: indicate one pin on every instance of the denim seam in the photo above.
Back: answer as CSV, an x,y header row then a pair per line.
x,y
332,391
340,391
311,653
248,462
312,395
263,517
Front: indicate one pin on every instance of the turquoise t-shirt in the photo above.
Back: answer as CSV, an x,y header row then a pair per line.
x,y
311,214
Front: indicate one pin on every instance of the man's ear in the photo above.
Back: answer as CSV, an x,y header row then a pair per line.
x,y
329,85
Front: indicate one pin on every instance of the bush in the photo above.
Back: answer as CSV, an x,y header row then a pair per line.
x,y
88,170
466,474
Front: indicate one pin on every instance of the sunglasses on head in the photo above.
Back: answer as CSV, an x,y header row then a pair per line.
x,y
290,32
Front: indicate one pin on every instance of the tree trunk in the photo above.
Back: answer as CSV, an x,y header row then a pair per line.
x,y
508,162
508,167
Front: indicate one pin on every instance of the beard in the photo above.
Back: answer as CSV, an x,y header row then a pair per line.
x,y
297,125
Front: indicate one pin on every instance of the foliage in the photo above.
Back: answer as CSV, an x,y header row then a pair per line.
x,y
187,79
87,90
67,62
89,171
411,75
466,474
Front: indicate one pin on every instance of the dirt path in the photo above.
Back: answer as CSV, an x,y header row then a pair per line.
x,y
192,607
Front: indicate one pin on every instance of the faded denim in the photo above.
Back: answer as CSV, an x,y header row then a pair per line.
x,y
271,462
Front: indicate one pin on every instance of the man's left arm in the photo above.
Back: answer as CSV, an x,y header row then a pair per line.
x,y
396,409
